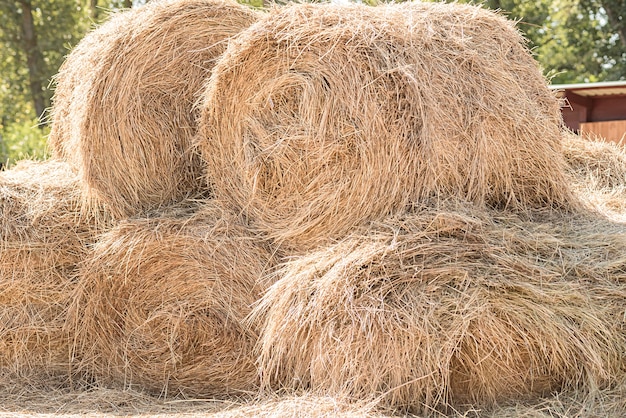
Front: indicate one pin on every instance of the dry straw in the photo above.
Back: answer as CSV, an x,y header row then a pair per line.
x,y
25,398
598,174
302,406
595,163
123,108
321,117
451,306
43,236
161,302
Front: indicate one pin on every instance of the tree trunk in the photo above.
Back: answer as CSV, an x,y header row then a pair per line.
x,y
494,4
93,10
617,21
33,58
128,4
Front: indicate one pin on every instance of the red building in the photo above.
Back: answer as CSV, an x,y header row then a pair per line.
x,y
595,109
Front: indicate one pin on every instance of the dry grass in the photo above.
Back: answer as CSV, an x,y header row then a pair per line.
x,y
303,406
451,306
595,164
610,403
123,108
598,174
161,303
43,236
54,398
20,397
321,117
408,161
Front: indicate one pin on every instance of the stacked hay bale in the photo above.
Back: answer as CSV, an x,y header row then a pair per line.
x,y
598,174
123,109
43,237
320,118
400,157
595,164
451,306
162,301
123,119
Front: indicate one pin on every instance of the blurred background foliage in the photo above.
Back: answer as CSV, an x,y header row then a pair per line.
x,y
573,40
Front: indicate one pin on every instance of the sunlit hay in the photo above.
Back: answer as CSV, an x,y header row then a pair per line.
x,y
607,403
452,307
303,405
58,397
123,109
161,302
598,174
603,164
51,398
43,236
73,83
321,117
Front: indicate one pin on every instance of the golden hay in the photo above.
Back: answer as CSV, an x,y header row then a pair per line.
x,y
597,164
610,403
598,174
56,397
321,117
43,236
46,398
161,302
123,109
453,307
304,406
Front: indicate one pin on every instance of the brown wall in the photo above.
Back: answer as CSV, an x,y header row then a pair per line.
x,y
614,131
608,108
572,116
597,109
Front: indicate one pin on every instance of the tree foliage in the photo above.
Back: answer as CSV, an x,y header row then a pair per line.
x,y
29,57
574,40
28,63
57,25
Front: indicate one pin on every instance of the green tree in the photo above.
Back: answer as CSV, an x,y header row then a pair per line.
x,y
574,40
616,14
96,7
613,46
36,35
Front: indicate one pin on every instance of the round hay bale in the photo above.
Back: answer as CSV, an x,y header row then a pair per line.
x,y
321,117
161,304
123,108
43,237
449,307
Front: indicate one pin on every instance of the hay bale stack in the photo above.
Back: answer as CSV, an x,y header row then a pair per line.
x,y
123,109
450,306
43,236
161,302
321,117
596,164
598,174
